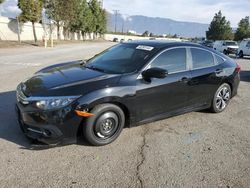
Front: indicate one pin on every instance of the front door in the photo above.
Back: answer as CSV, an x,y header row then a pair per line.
x,y
161,96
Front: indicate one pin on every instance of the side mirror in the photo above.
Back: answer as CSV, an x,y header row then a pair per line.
x,y
154,73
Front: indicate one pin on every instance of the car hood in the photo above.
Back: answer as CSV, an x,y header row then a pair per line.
x,y
67,79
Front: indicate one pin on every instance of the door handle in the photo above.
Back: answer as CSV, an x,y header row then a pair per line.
x,y
185,79
218,71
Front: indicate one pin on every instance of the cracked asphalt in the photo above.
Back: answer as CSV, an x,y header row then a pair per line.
x,y
198,149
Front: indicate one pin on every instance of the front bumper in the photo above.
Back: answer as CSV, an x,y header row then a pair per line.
x,y
49,127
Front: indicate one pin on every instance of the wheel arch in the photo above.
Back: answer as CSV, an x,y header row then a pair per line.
x,y
128,111
125,110
118,103
232,88
230,84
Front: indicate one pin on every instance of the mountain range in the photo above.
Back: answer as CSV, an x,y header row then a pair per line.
x,y
158,26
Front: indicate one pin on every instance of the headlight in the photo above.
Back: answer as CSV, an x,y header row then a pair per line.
x,y
50,103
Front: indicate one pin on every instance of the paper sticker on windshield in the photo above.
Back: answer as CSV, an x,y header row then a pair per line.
x,y
147,48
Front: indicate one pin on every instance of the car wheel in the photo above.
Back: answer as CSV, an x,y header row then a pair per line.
x,y
105,126
221,98
241,55
225,52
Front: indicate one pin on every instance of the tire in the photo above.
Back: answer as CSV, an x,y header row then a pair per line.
x,y
221,98
241,55
225,52
105,126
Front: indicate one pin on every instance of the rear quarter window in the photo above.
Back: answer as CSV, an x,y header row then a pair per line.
x,y
219,59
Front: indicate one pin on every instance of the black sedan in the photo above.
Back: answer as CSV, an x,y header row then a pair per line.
x,y
129,84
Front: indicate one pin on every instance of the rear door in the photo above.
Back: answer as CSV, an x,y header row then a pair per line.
x,y
206,76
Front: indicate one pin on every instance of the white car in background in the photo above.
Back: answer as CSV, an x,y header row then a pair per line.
x,y
244,48
226,46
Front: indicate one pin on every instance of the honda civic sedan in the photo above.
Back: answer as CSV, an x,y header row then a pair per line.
x,y
129,84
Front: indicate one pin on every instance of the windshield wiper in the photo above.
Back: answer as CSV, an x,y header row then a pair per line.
x,y
83,62
95,68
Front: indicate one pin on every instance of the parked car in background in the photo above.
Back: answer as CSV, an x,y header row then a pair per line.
x,y
244,48
226,47
115,40
122,40
129,84
208,43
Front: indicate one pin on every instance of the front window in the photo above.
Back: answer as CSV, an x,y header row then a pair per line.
x,y
123,58
232,43
173,60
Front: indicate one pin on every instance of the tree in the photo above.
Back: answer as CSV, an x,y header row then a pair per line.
x,y
31,11
77,16
63,13
54,12
145,34
83,19
97,14
103,22
88,19
1,1
243,30
219,28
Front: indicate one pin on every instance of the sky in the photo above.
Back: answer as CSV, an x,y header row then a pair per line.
x,y
201,11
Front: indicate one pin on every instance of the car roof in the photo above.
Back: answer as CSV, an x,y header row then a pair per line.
x,y
162,43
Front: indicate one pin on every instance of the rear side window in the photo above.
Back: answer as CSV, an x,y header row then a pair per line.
x,y
173,60
248,44
201,58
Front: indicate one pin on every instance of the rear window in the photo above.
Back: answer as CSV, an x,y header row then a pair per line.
x,y
201,58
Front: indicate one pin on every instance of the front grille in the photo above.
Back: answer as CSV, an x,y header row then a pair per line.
x,y
21,97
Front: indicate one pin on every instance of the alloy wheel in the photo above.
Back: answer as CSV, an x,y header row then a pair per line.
x,y
222,98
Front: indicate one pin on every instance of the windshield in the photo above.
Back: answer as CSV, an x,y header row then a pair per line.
x,y
231,43
120,59
209,42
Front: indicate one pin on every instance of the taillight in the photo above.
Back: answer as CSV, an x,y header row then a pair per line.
x,y
238,68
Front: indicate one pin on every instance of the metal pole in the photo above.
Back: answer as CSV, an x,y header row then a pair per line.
x,y
51,35
18,30
116,13
122,26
